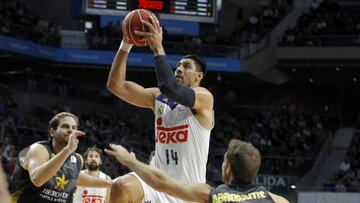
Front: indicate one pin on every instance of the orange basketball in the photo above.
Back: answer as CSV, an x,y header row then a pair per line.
x,y
132,22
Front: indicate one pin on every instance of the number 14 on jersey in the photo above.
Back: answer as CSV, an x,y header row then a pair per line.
x,y
171,156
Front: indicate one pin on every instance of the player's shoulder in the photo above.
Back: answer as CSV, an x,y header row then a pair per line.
x,y
36,150
154,90
104,175
278,198
221,187
37,147
80,158
78,155
202,90
204,98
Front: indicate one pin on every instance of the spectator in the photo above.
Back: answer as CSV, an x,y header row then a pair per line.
x,y
345,166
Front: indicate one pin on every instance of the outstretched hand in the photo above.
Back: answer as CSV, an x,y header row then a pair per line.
x,y
154,36
78,133
73,140
120,153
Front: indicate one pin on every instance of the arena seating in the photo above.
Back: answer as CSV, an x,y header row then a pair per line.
x,y
286,137
347,178
328,24
19,22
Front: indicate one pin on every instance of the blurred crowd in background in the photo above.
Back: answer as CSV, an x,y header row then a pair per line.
x,y
289,139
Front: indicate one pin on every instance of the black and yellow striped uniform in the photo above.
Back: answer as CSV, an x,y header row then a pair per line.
x,y
59,188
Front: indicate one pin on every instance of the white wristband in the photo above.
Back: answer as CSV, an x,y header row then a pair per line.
x,y
125,46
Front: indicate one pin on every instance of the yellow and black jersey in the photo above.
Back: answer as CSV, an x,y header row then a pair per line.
x,y
240,194
59,188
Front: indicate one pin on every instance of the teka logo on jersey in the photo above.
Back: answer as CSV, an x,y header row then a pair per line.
x,y
87,198
178,134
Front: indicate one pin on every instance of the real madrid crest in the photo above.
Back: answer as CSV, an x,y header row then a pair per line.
x,y
160,110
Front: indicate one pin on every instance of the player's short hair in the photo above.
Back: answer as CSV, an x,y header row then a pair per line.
x,y
54,122
201,63
245,161
93,149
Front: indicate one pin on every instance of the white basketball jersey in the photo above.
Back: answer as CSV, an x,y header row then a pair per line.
x,y
182,144
89,194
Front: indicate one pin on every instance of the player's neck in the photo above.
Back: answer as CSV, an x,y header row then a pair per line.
x,y
92,173
194,85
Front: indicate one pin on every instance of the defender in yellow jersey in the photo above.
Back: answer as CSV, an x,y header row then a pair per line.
x,y
48,171
239,169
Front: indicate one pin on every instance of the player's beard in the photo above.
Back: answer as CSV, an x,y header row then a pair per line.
x,y
94,167
61,139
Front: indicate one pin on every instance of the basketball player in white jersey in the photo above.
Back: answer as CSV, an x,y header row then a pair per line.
x,y
183,118
93,162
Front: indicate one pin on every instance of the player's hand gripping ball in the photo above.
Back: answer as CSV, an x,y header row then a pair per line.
x,y
133,22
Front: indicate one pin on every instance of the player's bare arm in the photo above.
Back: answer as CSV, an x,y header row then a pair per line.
x,y
86,180
129,91
187,192
41,167
278,198
108,190
158,179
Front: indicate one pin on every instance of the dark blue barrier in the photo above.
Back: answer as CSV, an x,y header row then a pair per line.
x,y
102,57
